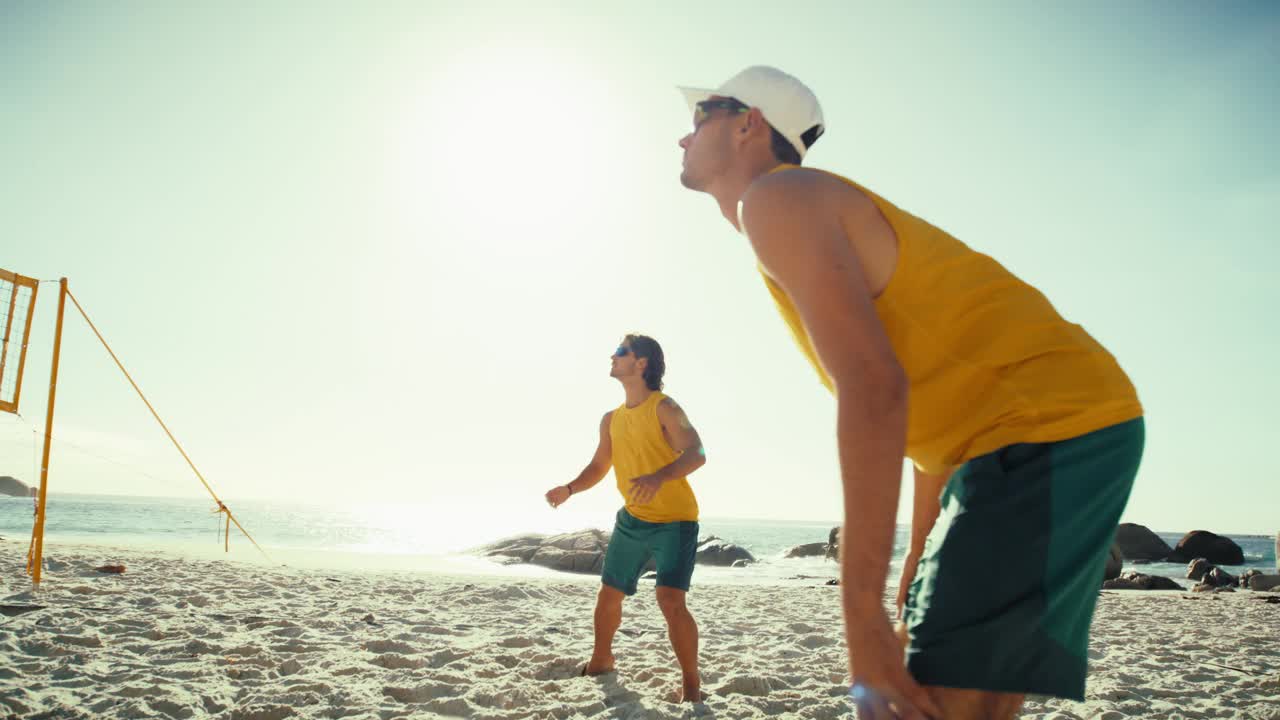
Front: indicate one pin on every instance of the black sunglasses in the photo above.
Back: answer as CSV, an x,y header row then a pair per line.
x,y
703,109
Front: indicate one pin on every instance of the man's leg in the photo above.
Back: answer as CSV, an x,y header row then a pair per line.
x,y
958,704
675,549
623,559
683,632
608,618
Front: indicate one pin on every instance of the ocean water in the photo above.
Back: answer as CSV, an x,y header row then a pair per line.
x,y
409,537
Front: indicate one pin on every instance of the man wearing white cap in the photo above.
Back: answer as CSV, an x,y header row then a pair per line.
x,y
1025,433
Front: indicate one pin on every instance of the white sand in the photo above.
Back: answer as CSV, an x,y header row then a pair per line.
x,y
194,638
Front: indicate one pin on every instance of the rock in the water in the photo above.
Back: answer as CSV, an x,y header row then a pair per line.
x,y
1210,587
1140,581
715,551
1115,563
521,547
1139,543
581,551
1212,547
13,487
1218,577
833,543
1264,582
806,550
579,561
1197,568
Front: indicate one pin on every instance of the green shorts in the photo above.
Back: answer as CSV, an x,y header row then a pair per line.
x,y
1006,586
673,546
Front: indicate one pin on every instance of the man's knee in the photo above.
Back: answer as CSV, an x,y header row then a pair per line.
x,y
670,600
609,596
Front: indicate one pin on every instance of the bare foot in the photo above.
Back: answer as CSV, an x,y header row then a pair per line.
x,y
596,667
692,695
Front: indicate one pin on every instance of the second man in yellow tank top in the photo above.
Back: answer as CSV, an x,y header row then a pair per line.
x,y
652,447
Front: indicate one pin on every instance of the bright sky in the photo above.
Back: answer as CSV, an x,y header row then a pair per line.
x,y
355,253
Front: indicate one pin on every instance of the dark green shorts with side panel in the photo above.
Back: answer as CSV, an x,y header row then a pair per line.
x,y
672,545
1005,590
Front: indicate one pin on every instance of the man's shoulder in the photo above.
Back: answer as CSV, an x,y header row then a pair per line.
x,y
800,190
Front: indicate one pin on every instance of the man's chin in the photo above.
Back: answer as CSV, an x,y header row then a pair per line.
x,y
690,182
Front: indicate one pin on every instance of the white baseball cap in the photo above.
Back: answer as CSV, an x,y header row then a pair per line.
x,y
788,105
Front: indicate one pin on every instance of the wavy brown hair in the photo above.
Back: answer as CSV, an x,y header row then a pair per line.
x,y
649,349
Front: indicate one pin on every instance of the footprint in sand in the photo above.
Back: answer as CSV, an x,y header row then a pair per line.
x,y
752,685
444,657
560,669
262,712
168,708
386,646
395,661
814,642
421,693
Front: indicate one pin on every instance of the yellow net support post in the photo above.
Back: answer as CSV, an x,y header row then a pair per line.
x,y
36,552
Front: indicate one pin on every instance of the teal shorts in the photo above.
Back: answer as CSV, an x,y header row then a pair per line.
x,y
673,546
1006,586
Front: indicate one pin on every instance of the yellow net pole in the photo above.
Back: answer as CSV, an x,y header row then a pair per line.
x,y
221,507
36,553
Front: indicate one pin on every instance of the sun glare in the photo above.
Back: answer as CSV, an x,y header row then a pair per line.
x,y
502,139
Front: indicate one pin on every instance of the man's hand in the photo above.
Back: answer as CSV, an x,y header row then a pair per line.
x,y
644,488
557,495
882,687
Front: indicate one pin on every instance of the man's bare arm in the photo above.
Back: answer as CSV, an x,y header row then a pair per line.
x,y
793,221
684,440
798,237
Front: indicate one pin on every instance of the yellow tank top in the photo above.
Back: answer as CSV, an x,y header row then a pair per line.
x,y
990,361
639,448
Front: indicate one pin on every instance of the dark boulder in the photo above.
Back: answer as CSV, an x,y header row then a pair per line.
x,y
13,487
1215,548
806,550
714,551
1140,581
1137,543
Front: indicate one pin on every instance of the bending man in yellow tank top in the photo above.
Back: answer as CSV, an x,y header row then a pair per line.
x,y
652,447
1025,432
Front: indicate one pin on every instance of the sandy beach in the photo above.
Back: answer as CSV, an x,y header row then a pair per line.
x,y
184,638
